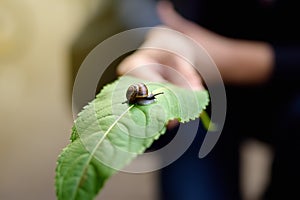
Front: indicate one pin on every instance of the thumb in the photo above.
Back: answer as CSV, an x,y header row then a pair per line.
x,y
169,16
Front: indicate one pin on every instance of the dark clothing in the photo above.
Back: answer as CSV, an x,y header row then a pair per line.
x,y
273,21
269,112
214,177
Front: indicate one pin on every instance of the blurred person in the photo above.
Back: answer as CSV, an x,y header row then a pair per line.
x,y
256,47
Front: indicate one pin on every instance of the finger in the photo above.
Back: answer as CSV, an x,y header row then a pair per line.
x,y
172,124
183,74
169,16
141,67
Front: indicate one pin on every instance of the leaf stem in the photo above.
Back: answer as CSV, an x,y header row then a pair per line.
x,y
206,121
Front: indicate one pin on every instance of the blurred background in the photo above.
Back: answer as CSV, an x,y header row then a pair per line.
x,y
42,44
36,71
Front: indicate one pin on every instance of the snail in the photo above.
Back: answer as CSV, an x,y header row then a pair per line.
x,y
138,94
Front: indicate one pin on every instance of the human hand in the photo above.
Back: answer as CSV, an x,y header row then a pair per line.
x,y
157,60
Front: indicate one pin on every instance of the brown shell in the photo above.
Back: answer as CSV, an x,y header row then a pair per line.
x,y
135,91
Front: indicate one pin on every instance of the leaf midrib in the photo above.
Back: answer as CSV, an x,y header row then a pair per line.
x,y
96,147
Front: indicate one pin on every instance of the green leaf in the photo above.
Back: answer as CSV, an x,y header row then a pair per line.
x,y
108,134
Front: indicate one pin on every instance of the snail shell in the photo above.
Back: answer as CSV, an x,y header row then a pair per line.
x,y
135,91
138,93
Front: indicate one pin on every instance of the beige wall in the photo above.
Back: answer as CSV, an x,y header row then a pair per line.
x,y
35,109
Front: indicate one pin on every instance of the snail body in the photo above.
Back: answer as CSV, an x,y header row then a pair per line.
x,y
138,94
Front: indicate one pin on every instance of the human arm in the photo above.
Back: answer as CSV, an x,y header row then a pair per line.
x,y
239,61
